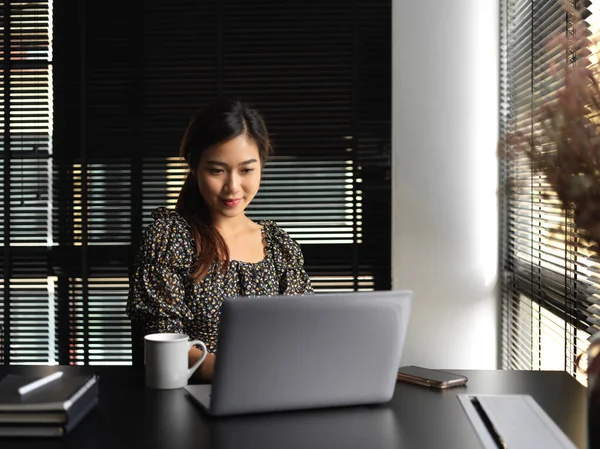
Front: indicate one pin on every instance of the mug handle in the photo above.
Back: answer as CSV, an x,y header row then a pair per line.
x,y
199,362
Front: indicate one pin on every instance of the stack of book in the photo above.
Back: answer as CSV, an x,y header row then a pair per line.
x,y
37,407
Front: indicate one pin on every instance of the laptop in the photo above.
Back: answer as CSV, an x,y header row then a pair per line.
x,y
283,353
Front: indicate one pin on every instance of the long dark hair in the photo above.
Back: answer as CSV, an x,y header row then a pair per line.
x,y
221,121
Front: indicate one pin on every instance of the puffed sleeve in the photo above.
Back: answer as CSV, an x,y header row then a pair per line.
x,y
289,260
158,284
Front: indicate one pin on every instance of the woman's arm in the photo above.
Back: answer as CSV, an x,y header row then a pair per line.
x,y
289,263
157,287
206,371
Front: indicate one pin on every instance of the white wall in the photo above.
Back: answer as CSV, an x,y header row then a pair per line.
x,y
445,215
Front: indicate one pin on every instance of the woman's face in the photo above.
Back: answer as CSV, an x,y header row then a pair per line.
x,y
229,175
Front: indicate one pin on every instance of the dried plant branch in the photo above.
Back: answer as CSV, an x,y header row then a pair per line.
x,y
565,143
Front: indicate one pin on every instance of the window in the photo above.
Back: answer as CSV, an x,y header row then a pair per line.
x,y
27,303
96,120
549,286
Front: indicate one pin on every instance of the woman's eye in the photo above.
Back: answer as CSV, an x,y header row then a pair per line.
x,y
247,170
215,171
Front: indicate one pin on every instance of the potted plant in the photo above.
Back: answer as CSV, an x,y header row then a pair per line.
x,y
563,147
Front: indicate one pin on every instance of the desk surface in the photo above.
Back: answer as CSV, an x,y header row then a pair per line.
x,y
130,415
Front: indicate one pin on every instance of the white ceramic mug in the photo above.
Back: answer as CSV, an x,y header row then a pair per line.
x,y
166,360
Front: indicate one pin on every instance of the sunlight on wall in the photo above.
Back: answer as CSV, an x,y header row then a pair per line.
x,y
484,172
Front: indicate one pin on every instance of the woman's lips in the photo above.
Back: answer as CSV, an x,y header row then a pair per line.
x,y
231,202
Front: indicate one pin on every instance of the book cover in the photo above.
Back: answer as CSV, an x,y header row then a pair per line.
x,y
57,396
63,417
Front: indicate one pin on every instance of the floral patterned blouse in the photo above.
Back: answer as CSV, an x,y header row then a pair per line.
x,y
164,297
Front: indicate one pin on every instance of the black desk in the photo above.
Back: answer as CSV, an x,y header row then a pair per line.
x,y
131,416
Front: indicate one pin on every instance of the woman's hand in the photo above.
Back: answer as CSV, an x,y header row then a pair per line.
x,y
206,371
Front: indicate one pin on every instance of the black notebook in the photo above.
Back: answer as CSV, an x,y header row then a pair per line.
x,y
57,396
31,429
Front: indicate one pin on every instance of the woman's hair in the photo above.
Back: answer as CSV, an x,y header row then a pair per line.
x,y
221,121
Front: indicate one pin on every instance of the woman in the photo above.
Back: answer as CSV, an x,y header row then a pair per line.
x,y
207,249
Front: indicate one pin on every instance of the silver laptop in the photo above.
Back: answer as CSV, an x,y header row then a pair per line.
x,y
301,352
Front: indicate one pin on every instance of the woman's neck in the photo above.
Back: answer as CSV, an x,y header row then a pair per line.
x,y
231,225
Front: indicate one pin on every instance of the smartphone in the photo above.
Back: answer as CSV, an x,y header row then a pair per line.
x,y
430,377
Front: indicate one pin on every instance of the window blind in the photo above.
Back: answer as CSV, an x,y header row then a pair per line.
x,y
26,305
549,277
108,107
